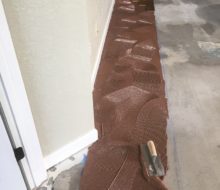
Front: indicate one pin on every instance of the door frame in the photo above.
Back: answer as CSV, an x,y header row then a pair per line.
x,y
8,162
11,78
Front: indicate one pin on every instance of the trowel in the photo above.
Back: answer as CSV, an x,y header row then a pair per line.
x,y
151,162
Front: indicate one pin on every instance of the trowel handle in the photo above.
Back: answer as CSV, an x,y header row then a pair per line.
x,y
152,148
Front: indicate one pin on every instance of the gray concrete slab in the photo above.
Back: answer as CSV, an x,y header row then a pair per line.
x,y
189,38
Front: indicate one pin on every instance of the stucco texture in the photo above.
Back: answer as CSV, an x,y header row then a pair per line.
x,y
51,42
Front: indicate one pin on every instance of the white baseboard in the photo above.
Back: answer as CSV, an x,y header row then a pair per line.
x,y
102,43
70,149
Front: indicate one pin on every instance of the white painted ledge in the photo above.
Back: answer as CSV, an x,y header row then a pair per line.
x,y
102,43
70,149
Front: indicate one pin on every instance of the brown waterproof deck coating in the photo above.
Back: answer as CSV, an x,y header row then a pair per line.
x,y
129,102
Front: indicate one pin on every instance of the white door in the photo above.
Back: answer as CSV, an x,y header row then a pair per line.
x,y
10,176
17,111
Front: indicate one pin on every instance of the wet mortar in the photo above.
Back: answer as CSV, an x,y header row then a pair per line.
x,y
129,102
189,53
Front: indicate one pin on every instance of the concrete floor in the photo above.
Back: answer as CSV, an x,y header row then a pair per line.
x,y
66,174
189,38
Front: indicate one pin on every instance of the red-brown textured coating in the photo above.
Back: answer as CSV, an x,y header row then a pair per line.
x,y
129,102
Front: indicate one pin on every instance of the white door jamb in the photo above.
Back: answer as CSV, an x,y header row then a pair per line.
x,y
19,105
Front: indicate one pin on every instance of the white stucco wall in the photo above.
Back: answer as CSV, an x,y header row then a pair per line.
x,y
52,45
97,11
57,44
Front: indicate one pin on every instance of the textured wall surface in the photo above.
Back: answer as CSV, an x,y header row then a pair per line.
x,y
51,41
97,11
